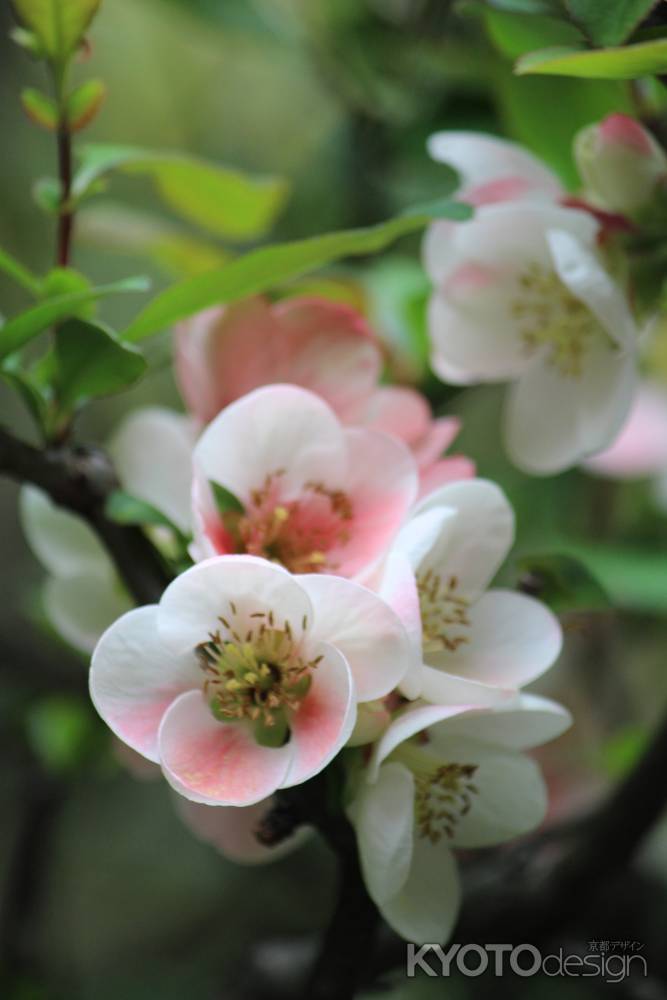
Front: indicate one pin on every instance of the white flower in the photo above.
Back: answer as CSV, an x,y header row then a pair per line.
x,y
444,778
83,594
244,678
493,169
474,646
521,295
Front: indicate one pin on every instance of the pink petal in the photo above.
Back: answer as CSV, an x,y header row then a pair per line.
x,y
134,678
217,763
437,439
641,447
397,410
447,470
322,725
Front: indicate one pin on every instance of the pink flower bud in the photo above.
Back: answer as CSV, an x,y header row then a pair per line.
x,y
620,163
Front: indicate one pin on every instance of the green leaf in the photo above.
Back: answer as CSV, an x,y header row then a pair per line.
x,y
34,395
20,329
84,103
625,63
225,500
515,34
123,508
59,25
39,108
608,23
46,194
634,579
528,6
90,362
18,273
563,582
223,200
268,267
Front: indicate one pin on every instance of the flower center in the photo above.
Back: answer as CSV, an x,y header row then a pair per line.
x,y
444,612
300,534
443,791
550,316
259,676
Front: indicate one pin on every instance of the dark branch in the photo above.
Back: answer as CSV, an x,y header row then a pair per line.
x,y
80,479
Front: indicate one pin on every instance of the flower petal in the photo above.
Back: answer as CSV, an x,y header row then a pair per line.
x,y
426,908
383,817
382,484
452,469
581,271
472,547
64,544
233,588
641,447
398,588
511,640
83,606
152,449
552,422
510,797
411,720
527,722
364,629
443,688
217,763
324,721
276,429
134,678
232,830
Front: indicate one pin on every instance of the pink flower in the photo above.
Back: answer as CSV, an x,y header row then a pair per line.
x,y
641,447
245,679
222,354
405,414
309,493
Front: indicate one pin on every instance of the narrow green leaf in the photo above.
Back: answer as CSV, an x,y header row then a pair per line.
x,y
563,582
20,329
59,25
123,508
18,273
608,23
514,34
90,362
33,394
39,108
633,578
84,103
225,500
624,63
223,200
268,267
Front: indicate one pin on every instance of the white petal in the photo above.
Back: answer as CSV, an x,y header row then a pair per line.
x,y
511,640
364,629
134,678
581,271
527,722
383,817
233,588
426,908
83,606
152,449
398,587
420,535
64,544
510,797
553,421
411,720
275,429
442,688
472,547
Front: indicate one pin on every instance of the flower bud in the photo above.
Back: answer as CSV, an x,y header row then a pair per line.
x,y
620,163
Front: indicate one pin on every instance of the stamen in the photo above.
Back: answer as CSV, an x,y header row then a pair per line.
x,y
550,316
443,612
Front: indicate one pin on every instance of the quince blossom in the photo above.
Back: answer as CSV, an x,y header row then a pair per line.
x,y
440,779
473,645
314,496
245,679
521,295
493,169
329,349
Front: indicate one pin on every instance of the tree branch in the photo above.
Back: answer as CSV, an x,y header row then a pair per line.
x,y
80,479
